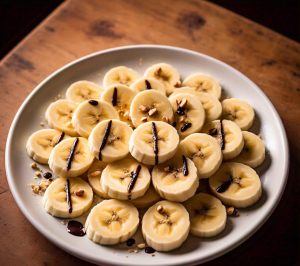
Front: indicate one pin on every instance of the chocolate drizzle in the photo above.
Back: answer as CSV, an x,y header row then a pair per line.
x,y
105,138
75,228
148,85
185,169
68,192
155,140
134,176
225,185
114,97
185,126
93,102
222,136
62,135
72,153
149,250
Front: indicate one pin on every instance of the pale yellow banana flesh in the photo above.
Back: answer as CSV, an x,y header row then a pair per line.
x,y
120,75
143,83
207,215
244,187
239,111
149,198
116,146
165,225
112,222
83,90
55,198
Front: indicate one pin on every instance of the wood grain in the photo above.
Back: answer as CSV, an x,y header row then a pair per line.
x,y
77,28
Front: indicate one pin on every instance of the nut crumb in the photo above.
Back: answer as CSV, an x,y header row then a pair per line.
x,y
160,208
183,102
95,173
143,108
42,124
41,187
79,193
38,173
177,85
152,111
141,245
34,166
231,211
144,119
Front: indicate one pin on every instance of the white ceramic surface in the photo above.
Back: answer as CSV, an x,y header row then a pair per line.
x,y
92,67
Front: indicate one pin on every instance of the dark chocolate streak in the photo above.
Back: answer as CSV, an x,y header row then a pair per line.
x,y
148,85
224,186
134,176
155,140
62,135
104,140
185,169
72,153
93,102
114,97
69,198
222,135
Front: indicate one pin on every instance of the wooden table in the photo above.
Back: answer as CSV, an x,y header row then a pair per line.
x,y
77,28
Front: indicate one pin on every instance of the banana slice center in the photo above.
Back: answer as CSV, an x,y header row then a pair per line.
x,y
114,218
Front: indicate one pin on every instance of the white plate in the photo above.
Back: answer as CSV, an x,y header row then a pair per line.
x,y
92,67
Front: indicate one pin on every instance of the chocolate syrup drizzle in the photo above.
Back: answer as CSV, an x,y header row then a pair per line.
x,y
93,102
114,97
225,185
72,153
134,177
185,169
69,198
185,127
222,135
105,138
148,85
75,228
62,135
155,140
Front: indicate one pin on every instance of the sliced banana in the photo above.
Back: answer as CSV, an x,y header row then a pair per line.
x,y
125,179
55,198
59,116
253,153
176,179
120,75
189,113
112,222
165,225
150,105
166,74
109,140
120,97
238,111
40,144
203,83
143,83
149,149
210,103
207,214
205,152
83,90
90,113
236,184
71,157
229,136
149,198
94,176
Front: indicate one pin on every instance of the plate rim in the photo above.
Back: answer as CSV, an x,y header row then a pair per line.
x,y
193,260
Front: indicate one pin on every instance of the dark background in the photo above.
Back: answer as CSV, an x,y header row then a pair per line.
x,y
18,18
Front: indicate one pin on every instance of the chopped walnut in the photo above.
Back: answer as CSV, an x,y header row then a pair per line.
x,y
231,211
178,84
38,173
152,111
41,187
141,245
144,119
160,209
95,173
34,166
144,108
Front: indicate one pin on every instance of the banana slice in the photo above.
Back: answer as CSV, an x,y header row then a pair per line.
x,y
120,75
229,136
236,184
109,140
166,74
120,96
71,157
238,111
40,144
94,176
203,83
165,225
189,113
253,153
58,203
153,142
176,179
83,90
210,103
150,105
112,222
142,84
205,152
125,179
207,214
59,116
149,198
90,113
